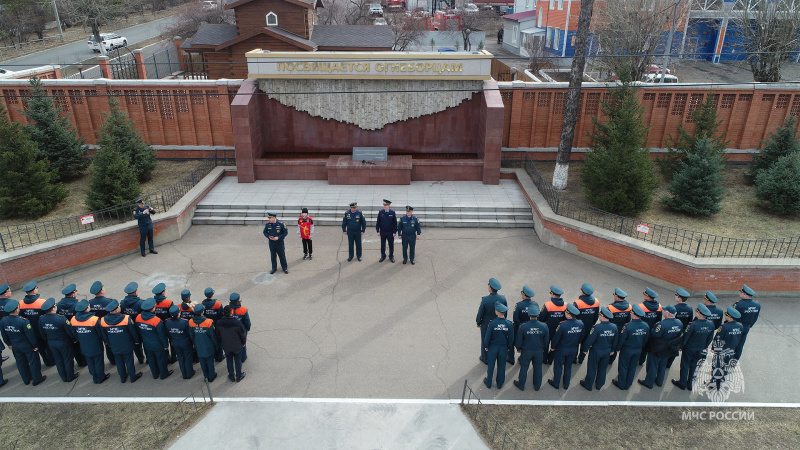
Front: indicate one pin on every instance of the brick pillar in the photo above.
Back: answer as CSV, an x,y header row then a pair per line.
x,y
138,58
247,137
102,61
177,41
57,72
493,135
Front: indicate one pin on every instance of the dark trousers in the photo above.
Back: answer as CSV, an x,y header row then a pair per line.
x,y
689,360
626,368
526,359
656,368
62,354
643,356
207,366
139,352
307,247
1,368
497,357
354,239
581,355
596,368
738,353
234,360
409,244
185,360
669,361
157,360
47,356
125,367
96,369
146,233
110,355
562,361
80,359
28,364
278,250
484,327
387,239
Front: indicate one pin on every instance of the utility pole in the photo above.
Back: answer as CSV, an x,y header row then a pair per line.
x,y
669,42
58,21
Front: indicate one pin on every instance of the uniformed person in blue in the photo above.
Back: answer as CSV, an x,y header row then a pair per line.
x,y
18,335
131,305
142,213
354,226
66,307
499,341
630,345
178,332
552,314
86,329
154,337
203,335
98,307
163,304
31,308
240,312
710,300
600,344
3,381
276,231
684,312
564,346
590,311
213,310
749,309
622,314
665,340
486,312
386,226
531,340
523,306
724,345
58,335
408,229
187,305
121,336
652,314
696,338
5,295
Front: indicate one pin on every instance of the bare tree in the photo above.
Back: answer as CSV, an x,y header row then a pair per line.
x,y
357,12
190,16
333,13
21,18
474,21
770,30
533,48
406,30
94,14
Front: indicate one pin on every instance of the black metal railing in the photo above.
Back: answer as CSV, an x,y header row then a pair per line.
x,y
496,433
13,237
693,243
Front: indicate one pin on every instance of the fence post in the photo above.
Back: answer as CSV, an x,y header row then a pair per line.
x,y
210,396
102,61
464,392
3,242
699,241
163,203
138,59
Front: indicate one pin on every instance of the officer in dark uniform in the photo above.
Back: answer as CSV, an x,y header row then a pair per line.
x,y
408,229
57,334
652,314
552,314
66,307
565,345
3,381
486,312
749,309
5,295
590,311
497,343
98,307
276,231
142,213
665,339
630,345
86,329
240,312
683,313
213,310
724,345
121,336
622,314
386,226
131,305
696,339
31,308
710,300
354,226
531,341
163,304
203,335
17,333
187,305
600,344
154,338
178,332
523,306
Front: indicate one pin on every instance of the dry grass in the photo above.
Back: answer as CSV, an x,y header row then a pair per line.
x,y
641,427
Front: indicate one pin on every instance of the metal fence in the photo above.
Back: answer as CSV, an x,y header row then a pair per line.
x,y
486,421
162,63
693,243
91,73
13,237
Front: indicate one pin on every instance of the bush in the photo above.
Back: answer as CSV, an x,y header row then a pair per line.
x,y
696,189
617,175
113,180
781,143
119,133
779,185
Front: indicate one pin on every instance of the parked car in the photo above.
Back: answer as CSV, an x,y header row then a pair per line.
x,y
110,42
470,8
656,78
209,4
4,73
380,21
655,68
375,9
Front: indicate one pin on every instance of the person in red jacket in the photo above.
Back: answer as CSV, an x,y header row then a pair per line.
x,y
305,228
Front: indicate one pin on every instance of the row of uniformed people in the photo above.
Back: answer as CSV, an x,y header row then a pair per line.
x,y
562,334
80,329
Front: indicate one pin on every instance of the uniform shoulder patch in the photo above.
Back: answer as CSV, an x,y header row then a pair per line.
x,y
591,331
658,327
557,327
687,328
29,326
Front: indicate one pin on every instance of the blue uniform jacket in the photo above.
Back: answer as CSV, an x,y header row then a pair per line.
x,y
277,229
589,309
98,306
521,306
622,313
131,305
568,335
86,329
750,310
407,226
716,316
353,222
662,337
684,313
602,338
203,335
178,331
152,331
728,336
499,334
18,332
66,307
698,335
55,328
3,302
532,335
162,306
486,311
633,336
652,312
143,219
213,309
119,332
387,222
32,314
187,310
241,313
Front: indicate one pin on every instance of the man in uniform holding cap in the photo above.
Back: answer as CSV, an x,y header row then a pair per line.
x,y
240,312
142,214
57,335
531,340
683,312
630,345
724,345
121,336
600,344
486,313
665,340
66,308
565,345
163,304
203,335
710,300
590,311
18,334
696,339
354,226
31,308
213,310
98,306
131,305
552,314
178,332
749,309
86,328
408,229
497,343
154,338
276,231
386,226
652,314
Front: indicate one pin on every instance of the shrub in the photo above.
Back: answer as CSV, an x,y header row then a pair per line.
x,y
113,179
779,185
781,143
696,189
119,133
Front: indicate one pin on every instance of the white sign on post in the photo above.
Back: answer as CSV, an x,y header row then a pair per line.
x,y
642,228
87,219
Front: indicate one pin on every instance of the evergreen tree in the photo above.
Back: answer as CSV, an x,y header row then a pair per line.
x,y
781,143
57,140
113,179
706,125
697,188
779,185
118,132
28,188
618,174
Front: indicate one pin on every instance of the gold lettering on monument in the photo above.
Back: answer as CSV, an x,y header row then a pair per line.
x,y
380,67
